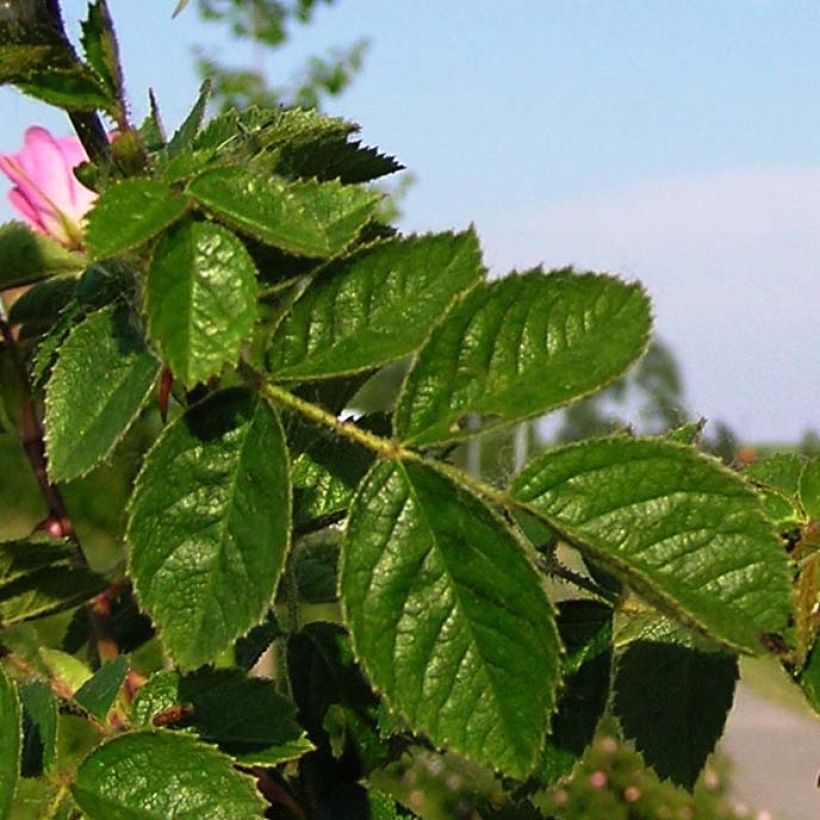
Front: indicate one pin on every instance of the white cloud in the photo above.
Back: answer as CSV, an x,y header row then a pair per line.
x,y
732,261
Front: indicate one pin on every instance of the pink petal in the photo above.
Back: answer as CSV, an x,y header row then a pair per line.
x,y
26,209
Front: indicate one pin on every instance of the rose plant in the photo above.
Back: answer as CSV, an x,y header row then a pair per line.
x,y
236,278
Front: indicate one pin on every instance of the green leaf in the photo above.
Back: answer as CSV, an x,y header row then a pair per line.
x,y
99,692
210,515
518,347
185,134
448,617
130,213
75,87
809,489
100,46
808,678
315,564
97,388
249,648
201,299
686,534
65,668
585,628
375,306
672,700
780,472
21,558
48,591
246,717
42,303
162,775
18,61
29,256
39,751
316,219
10,741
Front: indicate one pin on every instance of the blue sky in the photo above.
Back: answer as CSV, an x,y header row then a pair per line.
x,y
675,142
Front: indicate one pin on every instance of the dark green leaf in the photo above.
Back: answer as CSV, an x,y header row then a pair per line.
x,y
316,219
39,728
683,532
201,299
375,306
808,678
18,61
249,648
585,628
42,303
519,347
315,563
672,700
159,776
29,256
186,133
19,559
210,515
10,741
100,46
130,213
448,617
73,87
97,388
99,692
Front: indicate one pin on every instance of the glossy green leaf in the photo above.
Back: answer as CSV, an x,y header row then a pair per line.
x,y
163,776
316,219
47,591
23,557
10,741
448,617
103,375
210,515
683,532
29,256
246,717
98,693
201,299
39,751
518,347
130,213
809,489
375,306
585,628
673,700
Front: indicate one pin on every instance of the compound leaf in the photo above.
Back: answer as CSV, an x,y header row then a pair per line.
x,y
315,219
201,299
98,386
375,306
448,617
210,515
163,775
130,213
518,347
684,533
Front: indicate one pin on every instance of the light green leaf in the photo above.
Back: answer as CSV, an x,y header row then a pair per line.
x,y
67,669
448,617
10,741
29,256
518,347
673,700
315,219
40,728
130,213
163,776
99,692
683,532
97,388
210,515
375,306
809,490
201,299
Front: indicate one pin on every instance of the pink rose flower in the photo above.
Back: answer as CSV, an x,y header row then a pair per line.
x,y
46,193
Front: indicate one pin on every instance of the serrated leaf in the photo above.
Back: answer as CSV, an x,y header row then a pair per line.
x,y
74,87
448,617
18,61
10,740
29,256
201,299
185,134
99,692
163,775
210,515
39,751
585,628
519,347
249,648
98,386
780,472
809,489
47,591
100,46
375,306
130,213
673,700
315,219
683,532
23,557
